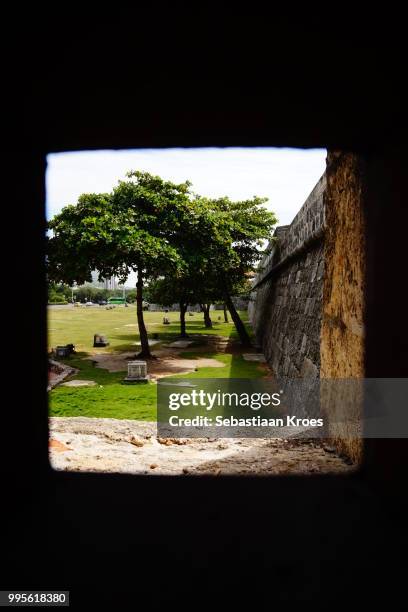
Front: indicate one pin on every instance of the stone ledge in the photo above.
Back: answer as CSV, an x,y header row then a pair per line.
x,y
64,371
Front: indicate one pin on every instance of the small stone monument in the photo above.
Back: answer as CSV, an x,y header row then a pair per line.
x,y
62,352
100,340
137,372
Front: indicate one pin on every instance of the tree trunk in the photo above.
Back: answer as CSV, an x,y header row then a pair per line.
x,y
207,318
145,352
183,308
225,314
240,327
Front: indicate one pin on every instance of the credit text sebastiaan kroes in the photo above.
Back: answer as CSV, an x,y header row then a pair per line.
x,y
254,401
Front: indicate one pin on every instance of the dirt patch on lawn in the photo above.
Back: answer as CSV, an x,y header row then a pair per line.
x,y
168,363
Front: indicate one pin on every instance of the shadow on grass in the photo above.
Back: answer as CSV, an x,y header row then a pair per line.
x,y
235,366
89,371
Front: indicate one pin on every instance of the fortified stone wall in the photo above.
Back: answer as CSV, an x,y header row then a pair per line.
x,y
286,305
307,308
342,334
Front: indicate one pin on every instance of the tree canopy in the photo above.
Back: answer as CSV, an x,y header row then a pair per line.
x,y
199,250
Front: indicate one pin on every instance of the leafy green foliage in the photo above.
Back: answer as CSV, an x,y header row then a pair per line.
x,y
191,249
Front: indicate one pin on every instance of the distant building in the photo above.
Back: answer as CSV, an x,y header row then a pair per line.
x,y
110,283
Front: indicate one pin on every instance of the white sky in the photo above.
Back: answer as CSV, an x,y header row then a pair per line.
x,y
285,176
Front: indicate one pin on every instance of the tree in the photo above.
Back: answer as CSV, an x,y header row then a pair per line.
x,y
57,293
225,309
127,230
250,225
168,291
232,236
199,227
185,289
157,228
131,296
221,244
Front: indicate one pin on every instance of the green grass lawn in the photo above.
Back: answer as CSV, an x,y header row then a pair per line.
x,y
78,326
110,398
